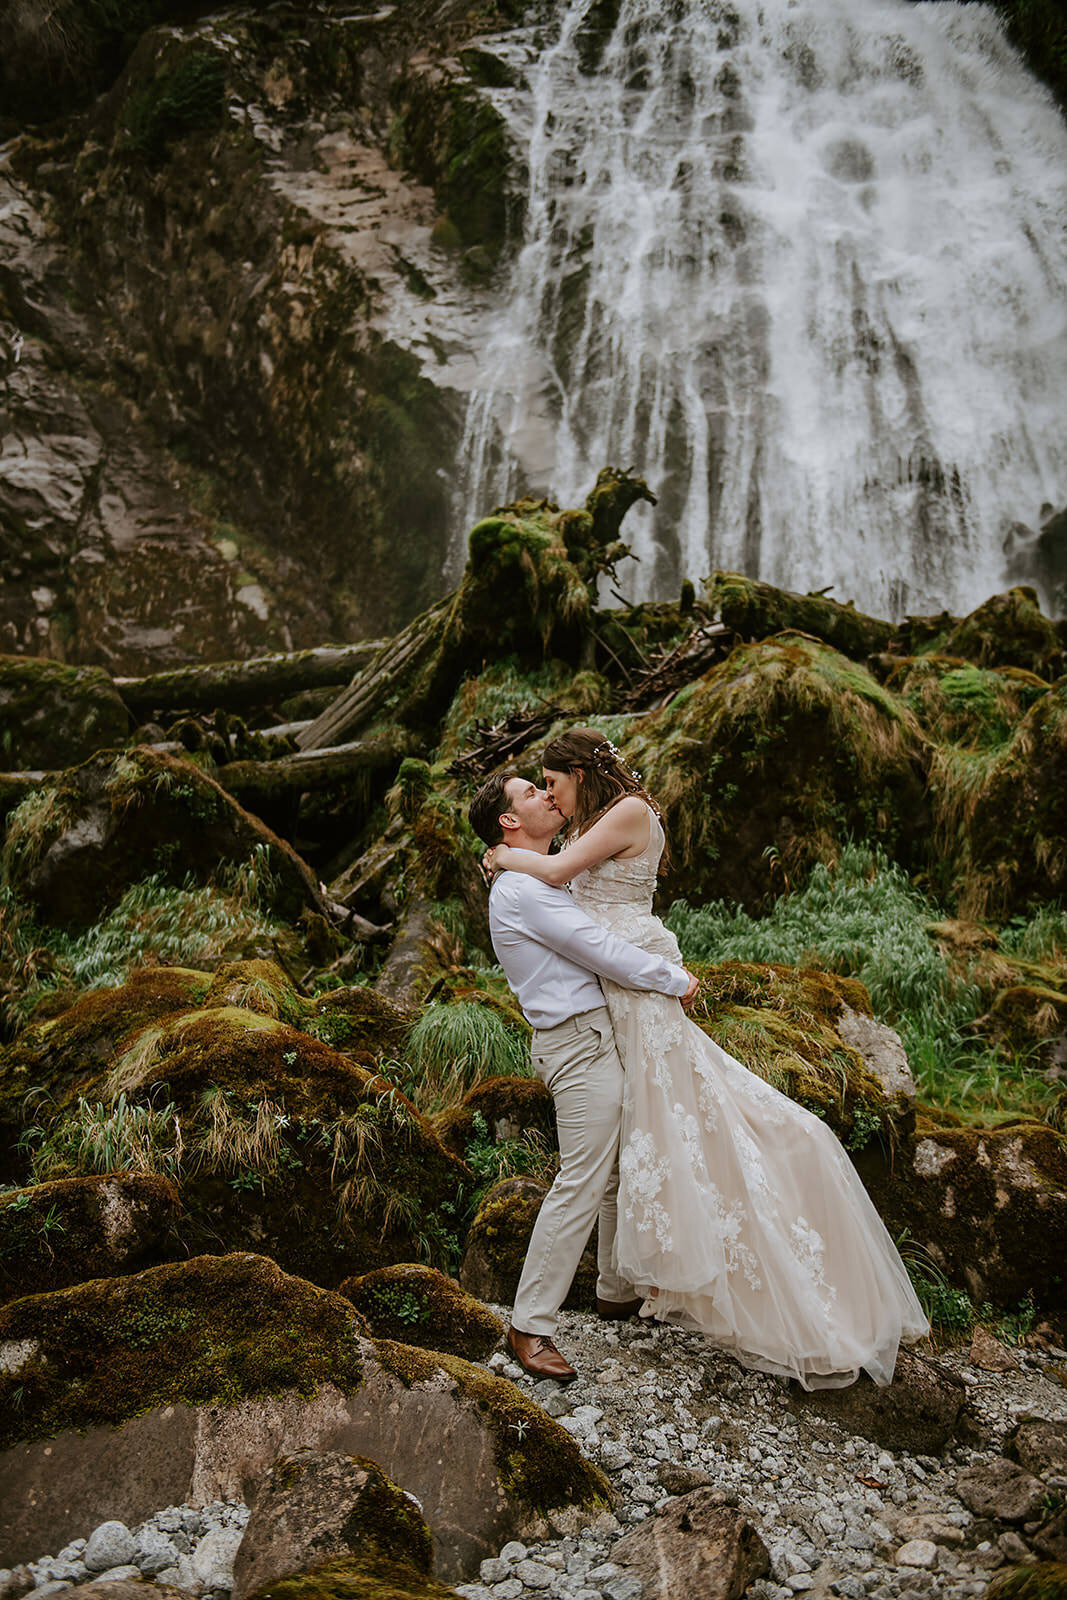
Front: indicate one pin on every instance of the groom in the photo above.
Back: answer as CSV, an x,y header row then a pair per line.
x,y
552,955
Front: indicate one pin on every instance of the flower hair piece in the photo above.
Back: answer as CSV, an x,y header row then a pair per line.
x,y
607,754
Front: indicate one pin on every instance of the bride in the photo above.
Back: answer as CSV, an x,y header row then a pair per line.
x,y
739,1212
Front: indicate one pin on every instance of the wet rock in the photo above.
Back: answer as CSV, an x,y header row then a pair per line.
x,y
989,1354
988,1204
55,716
1001,1489
195,1377
419,1305
313,1508
918,1411
676,1478
697,1546
65,1232
1039,1445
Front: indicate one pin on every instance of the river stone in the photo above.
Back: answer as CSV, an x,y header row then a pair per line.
x,y
1000,1489
1039,1446
697,1546
989,1354
917,1412
917,1553
110,1545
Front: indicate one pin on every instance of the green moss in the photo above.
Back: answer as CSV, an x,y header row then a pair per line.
x,y
368,1577
756,610
1009,630
62,1053
977,708
771,761
180,100
1001,814
418,1305
56,1234
52,715
358,1020
211,1331
1045,1580
538,1461
259,986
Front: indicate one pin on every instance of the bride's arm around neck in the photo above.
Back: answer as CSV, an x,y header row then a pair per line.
x,y
622,831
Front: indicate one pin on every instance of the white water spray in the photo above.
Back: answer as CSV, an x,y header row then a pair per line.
x,y
803,266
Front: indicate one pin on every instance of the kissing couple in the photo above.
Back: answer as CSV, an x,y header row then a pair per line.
x,y
722,1204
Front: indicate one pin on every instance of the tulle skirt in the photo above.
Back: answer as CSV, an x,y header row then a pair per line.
x,y
744,1212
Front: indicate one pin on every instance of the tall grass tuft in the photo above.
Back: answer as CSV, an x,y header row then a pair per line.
x,y
453,1047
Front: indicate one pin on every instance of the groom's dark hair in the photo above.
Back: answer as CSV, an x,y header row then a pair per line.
x,y
487,805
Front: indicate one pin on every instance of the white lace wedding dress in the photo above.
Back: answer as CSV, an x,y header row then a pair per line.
x,y
737,1204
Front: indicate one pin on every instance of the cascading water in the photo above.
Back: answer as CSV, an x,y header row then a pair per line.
x,y
802,264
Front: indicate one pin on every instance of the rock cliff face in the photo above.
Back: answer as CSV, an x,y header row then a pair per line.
x,y
239,296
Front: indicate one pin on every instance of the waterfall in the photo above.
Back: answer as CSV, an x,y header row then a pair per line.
x,y
802,264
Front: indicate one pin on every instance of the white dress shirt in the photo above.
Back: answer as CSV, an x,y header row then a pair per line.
x,y
552,953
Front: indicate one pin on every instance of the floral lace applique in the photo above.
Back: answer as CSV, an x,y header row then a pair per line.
x,y
810,1251
641,1179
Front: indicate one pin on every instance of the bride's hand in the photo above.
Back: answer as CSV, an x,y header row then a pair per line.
x,y
495,859
693,990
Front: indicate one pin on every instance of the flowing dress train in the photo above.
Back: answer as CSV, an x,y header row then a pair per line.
x,y
739,1206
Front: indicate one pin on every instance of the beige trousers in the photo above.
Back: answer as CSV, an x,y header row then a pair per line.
x,y
580,1065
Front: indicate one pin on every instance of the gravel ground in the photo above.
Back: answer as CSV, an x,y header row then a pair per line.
x,y
661,1411
651,1398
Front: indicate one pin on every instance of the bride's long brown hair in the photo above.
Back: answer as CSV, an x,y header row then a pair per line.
x,y
606,779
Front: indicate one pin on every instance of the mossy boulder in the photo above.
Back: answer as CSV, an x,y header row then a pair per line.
x,y
315,1508
989,1205
280,1142
359,1019
418,1305
75,845
212,1330
52,715
755,610
783,1024
510,1108
959,703
1001,816
56,1234
187,1382
1009,630
771,761
498,1240
68,1047
1030,1020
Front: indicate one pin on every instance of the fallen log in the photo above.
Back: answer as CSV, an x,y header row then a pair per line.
x,y
387,675
249,781
239,685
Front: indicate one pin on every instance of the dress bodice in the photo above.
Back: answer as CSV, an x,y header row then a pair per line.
x,y
618,894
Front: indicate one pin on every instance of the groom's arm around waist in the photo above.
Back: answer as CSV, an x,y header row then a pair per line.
x,y
524,907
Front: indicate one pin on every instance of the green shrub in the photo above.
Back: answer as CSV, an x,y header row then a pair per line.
x,y
181,100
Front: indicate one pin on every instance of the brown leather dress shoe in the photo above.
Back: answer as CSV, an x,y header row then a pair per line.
x,y
538,1356
617,1310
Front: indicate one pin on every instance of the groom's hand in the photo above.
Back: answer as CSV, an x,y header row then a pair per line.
x,y
693,990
